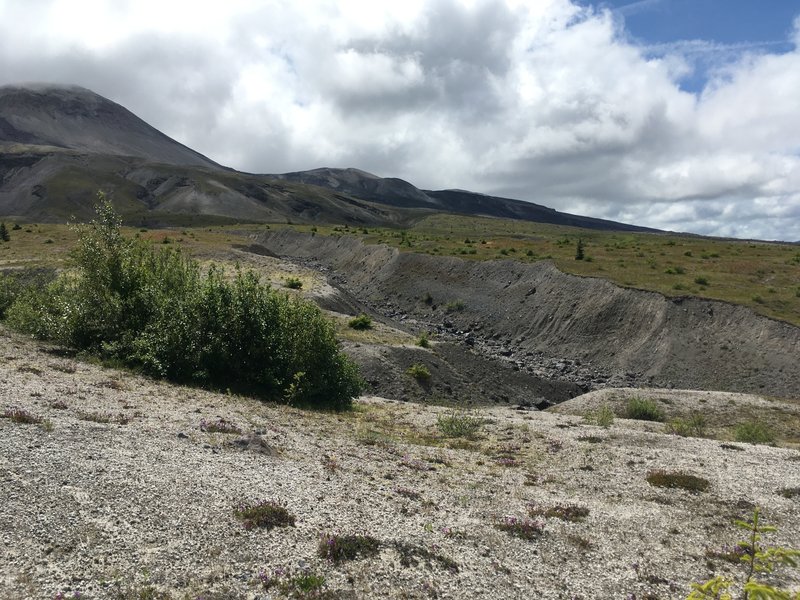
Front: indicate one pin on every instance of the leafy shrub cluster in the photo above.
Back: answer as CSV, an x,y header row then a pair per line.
x,y
155,310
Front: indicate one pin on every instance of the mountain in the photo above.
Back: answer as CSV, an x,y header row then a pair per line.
x,y
75,118
60,144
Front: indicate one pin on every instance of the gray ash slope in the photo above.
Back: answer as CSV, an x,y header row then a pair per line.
x,y
584,330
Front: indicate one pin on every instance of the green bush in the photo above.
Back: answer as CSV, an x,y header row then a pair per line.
x,y
419,372
154,309
423,341
754,432
293,283
643,409
361,322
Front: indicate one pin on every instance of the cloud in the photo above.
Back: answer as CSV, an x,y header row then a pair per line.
x,y
547,101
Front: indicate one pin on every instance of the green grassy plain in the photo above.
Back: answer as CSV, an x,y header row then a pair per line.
x,y
763,276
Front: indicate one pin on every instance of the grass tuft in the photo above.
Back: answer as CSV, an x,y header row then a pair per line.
x,y
643,409
457,424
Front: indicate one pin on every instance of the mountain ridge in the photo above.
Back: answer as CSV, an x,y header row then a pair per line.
x,y
60,144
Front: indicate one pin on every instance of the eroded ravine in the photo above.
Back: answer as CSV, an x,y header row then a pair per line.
x,y
584,330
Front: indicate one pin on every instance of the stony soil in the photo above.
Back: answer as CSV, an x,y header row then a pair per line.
x,y
118,493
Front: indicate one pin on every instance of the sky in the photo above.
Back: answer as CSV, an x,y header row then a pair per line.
x,y
677,114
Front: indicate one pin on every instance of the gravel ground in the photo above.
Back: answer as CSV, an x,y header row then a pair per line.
x,y
118,493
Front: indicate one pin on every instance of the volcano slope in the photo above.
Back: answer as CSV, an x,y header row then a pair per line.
x,y
539,320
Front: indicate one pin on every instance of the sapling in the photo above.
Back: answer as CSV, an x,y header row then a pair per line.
x,y
756,558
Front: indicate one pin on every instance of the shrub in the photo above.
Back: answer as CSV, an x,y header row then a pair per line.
x,y
754,432
756,558
458,424
668,479
4,236
692,426
701,280
527,529
361,322
266,514
338,548
153,309
423,341
293,283
419,372
643,409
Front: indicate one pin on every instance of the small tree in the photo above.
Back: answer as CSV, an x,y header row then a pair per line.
x,y
579,254
757,559
4,233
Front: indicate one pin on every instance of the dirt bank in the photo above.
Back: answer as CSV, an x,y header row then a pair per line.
x,y
585,330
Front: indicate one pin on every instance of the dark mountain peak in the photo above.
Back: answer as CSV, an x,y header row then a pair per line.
x,y
76,118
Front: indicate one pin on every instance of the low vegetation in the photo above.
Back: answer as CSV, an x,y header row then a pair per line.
x,y
565,512
692,426
677,479
527,529
754,432
603,416
459,424
360,323
643,409
293,283
265,514
153,309
419,372
339,548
